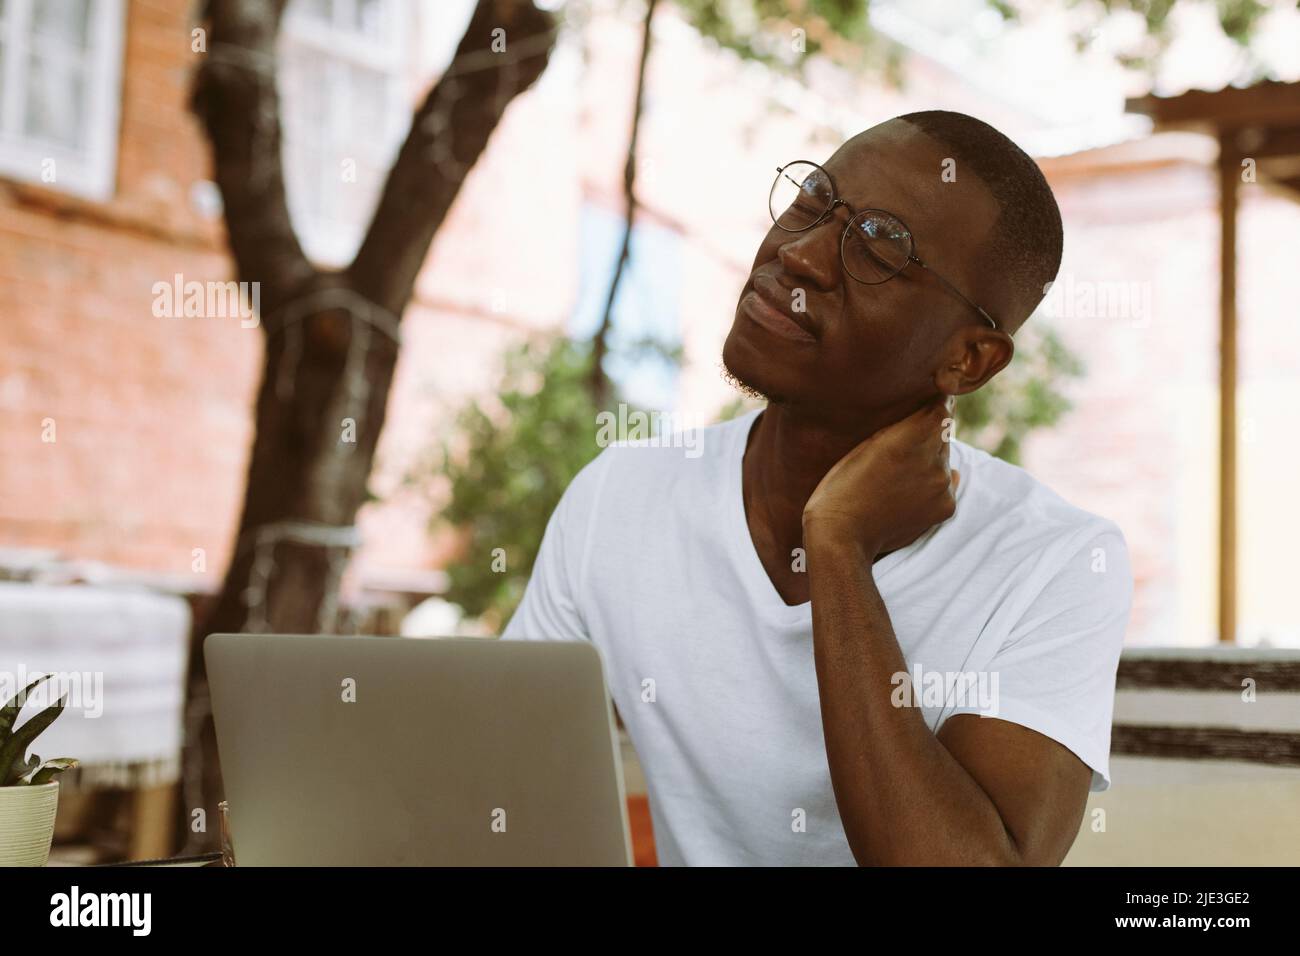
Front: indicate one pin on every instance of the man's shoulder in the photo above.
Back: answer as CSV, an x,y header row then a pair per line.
x,y
672,447
1031,531
1007,496
639,470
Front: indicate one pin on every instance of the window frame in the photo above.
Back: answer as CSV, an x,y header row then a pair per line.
x,y
329,240
91,170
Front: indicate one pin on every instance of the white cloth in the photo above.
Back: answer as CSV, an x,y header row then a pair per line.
x,y
120,656
649,556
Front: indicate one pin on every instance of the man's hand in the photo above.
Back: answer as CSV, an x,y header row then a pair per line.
x,y
983,791
890,489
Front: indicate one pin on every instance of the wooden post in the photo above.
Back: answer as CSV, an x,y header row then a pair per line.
x,y
153,810
1229,177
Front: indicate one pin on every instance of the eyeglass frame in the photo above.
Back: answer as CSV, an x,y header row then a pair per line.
x,y
854,214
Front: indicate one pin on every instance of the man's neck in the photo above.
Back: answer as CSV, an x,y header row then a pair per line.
x,y
787,456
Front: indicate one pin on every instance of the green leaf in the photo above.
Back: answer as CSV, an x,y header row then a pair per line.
x,y
23,769
52,769
1025,397
9,713
12,752
509,462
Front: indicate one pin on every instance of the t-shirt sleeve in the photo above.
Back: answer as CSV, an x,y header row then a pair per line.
x,y
550,608
1056,670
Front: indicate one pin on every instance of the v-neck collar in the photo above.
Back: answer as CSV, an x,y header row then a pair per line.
x,y
767,599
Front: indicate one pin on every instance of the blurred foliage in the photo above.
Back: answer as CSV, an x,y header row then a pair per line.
x,y
1236,18
505,468
1022,398
738,406
785,34
510,459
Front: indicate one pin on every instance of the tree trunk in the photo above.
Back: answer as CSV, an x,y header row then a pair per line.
x,y
331,337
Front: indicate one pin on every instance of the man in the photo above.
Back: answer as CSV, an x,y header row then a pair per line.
x,y
772,612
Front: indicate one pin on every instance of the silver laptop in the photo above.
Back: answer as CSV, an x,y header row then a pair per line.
x,y
388,751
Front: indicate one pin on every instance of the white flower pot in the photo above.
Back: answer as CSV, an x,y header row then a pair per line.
x,y
27,824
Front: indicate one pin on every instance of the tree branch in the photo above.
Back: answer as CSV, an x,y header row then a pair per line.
x,y
235,98
599,344
448,133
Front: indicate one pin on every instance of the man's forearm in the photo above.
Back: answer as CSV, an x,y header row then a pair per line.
x,y
902,797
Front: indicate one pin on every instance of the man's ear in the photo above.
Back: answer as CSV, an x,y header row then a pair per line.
x,y
972,357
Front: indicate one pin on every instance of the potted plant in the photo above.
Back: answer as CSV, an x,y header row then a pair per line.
x,y
29,794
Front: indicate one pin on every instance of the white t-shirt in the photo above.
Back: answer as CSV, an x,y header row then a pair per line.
x,y
648,555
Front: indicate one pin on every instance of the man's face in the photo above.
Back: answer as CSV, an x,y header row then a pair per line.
x,y
857,348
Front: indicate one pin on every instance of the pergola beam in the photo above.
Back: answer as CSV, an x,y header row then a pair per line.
x,y
1264,104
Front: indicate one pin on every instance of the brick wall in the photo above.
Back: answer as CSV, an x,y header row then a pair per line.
x,y
149,414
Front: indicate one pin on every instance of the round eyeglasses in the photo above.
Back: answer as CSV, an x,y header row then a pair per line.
x,y
876,244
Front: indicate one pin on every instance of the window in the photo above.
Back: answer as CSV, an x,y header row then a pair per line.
x,y
647,307
60,73
346,106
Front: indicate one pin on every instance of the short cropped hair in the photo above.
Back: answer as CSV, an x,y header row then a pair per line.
x,y
1025,245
